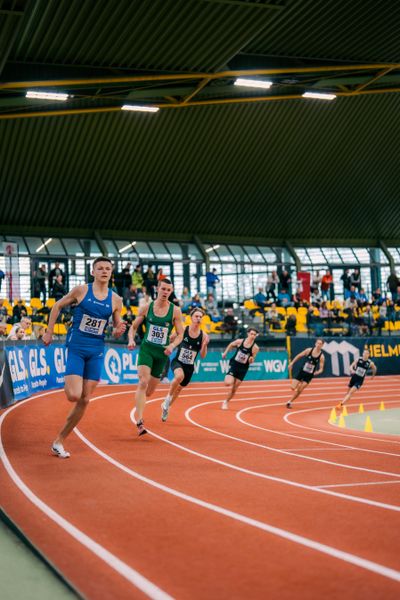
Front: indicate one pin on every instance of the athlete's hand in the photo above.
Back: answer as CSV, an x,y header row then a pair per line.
x,y
131,343
119,329
206,339
251,360
47,338
224,355
169,349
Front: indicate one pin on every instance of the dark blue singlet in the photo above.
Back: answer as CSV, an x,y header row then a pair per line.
x,y
85,339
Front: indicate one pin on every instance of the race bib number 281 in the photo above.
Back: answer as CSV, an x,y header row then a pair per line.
x,y
92,325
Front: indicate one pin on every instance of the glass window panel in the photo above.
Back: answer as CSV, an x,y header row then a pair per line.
x,y
362,255
332,255
385,272
303,256
337,283
268,254
366,280
144,251
347,255
55,248
254,254
224,254
91,248
194,252
175,250
383,259
160,251
396,254
22,249
73,247
316,256
34,243
238,253
287,258
126,250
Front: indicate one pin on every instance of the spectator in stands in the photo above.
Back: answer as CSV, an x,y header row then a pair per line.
x,y
3,311
211,307
137,277
39,283
315,283
150,282
273,317
58,290
284,298
19,311
54,273
161,275
132,296
355,279
173,298
25,324
196,302
185,300
393,283
327,286
2,276
362,298
377,297
314,323
229,323
17,334
290,326
3,330
272,285
126,282
346,283
285,281
351,300
367,321
40,331
260,299
211,280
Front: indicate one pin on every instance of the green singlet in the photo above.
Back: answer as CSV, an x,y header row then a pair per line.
x,y
156,339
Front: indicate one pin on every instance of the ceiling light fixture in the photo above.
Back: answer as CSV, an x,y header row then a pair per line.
x,y
44,245
48,96
211,248
126,247
253,83
152,109
319,96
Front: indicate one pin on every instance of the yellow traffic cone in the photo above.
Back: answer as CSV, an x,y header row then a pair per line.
x,y
361,408
368,425
332,416
344,412
341,422
382,406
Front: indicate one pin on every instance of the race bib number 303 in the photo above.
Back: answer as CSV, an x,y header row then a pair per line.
x,y
92,325
158,335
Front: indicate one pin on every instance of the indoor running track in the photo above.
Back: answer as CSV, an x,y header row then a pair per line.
x,y
254,502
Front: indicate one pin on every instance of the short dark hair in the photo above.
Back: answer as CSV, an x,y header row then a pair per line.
x,y
197,309
101,259
252,329
165,280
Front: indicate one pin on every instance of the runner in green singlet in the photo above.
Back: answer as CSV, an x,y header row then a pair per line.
x,y
159,317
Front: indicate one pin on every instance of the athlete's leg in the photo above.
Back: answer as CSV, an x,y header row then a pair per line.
x,y
232,384
347,397
297,391
152,385
144,374
78,391
175,388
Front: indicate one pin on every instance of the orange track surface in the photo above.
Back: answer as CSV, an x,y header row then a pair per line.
x,y
212,503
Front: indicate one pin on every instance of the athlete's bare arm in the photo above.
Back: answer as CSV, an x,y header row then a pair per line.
x,y
230,347
374,369
177,319
73,297
119,325
254,353
298,356
204,345
353,367
321,365
134,327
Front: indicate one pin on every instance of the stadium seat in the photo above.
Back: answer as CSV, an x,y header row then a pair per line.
x,y
36,303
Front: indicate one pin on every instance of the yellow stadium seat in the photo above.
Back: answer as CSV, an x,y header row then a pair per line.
x,y
50,302
36,303
60,329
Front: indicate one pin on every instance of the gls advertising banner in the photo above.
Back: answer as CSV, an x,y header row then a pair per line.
x,y
36,368
341,352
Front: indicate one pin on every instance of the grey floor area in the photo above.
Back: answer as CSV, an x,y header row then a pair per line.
x,y
23,575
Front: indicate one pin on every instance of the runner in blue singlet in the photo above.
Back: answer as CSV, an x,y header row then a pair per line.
x,y
94,304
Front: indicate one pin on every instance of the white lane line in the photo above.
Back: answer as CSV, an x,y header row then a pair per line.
x,y
298,437
277,531
336,485
130,574
257,473
337,431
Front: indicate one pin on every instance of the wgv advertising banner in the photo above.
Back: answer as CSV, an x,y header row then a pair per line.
x,y
341,352
268,365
